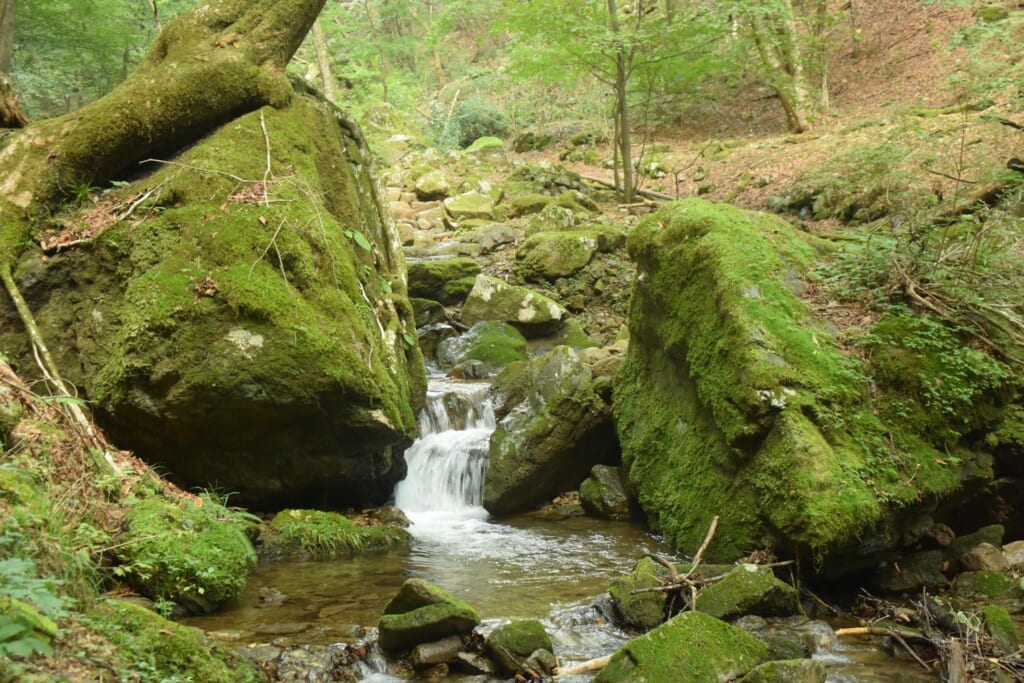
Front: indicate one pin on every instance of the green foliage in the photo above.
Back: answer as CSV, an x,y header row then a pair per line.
x,y
68,53
28,606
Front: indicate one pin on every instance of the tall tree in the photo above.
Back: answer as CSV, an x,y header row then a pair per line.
x,y
564,40
11,115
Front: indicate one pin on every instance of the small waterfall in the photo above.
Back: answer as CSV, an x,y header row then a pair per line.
x,y
448,460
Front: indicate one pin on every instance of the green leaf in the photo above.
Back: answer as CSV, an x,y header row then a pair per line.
x,y
361,240
410,340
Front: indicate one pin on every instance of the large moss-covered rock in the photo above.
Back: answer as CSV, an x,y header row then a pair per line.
x,y
470,205
690,648
422,613
266,347
735,401
491,344
749,589
534,314
514,642
550,255
555,428
644,610
197,555
445,280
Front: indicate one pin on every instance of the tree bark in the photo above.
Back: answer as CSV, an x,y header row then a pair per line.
x,y
324,63
778,45
224,59
11,114
7,12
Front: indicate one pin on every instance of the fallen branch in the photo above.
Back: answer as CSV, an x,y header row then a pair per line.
x,y
651,194
583,667
899,635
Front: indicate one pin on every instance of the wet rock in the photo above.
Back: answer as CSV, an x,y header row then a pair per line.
x,y
445,280
421,613
913,572
271,596
443,651
427,311
1000,627
788,671
639,611
604,494
473,663
749,589
491,236
553,430
286,628
493,344
1015,554
984,557
986,586
515,642
692,647
431,336
992,534
534,314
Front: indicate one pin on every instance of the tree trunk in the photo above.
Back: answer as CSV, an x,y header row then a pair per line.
x,y
778,46
622,108
324,63
11,115
7,12
225,58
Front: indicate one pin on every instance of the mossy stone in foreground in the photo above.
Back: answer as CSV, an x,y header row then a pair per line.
x,y
421,613
640,611
735,401
169,650
999,625
515,642
984,586
194,553
690,648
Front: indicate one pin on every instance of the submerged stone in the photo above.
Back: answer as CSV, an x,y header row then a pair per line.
x,y
788,671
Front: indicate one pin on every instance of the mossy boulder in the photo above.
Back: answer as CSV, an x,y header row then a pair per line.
x,y
603,494
692,647
735,401
172,651
514,642
986,586
553,432
640,611
422,613
550,255
194,553
527,204
749,589
316,534
445,280
435,184
427,311
262,347
552,218
492,344
788,671
471,206
534,314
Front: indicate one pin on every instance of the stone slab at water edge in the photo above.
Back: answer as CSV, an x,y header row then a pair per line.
x,y
735,400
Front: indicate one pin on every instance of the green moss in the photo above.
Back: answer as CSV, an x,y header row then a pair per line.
x,y
986,585
194,553
1000,627
642,611
749,590
442,280
734,400
526,204
515,642
158,649
550,255
319,534
495,344
486,142
690,648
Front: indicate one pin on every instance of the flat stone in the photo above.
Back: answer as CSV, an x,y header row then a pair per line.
x,y
442,651
985,557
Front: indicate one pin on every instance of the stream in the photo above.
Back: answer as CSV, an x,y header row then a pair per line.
x,y
524,567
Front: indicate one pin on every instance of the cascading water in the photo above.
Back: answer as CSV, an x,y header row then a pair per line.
x,y
448,460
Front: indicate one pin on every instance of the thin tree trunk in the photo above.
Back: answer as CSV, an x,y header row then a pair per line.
x,y
7,11
782,61
622,108
225,58
324,62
